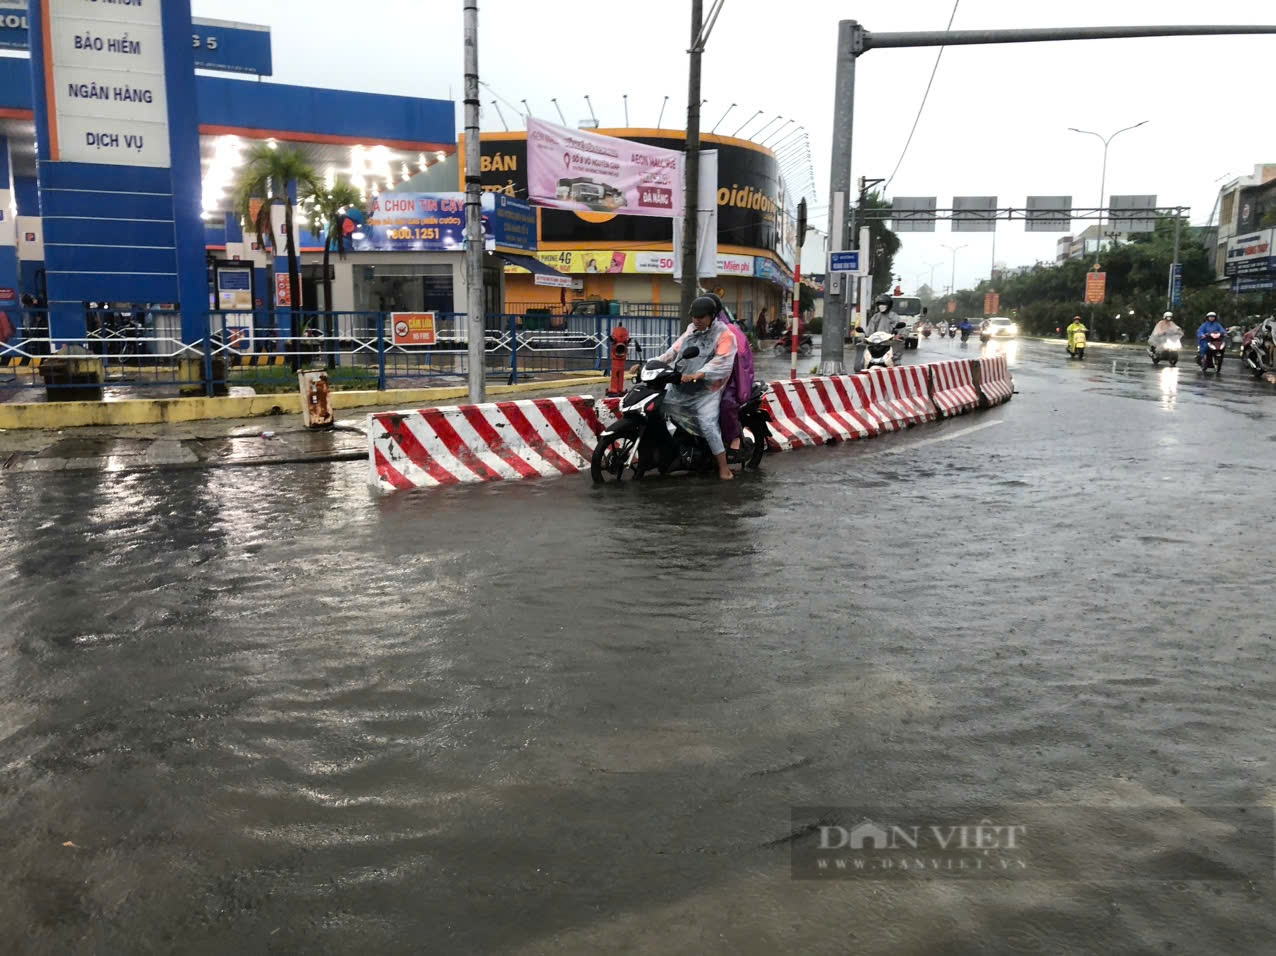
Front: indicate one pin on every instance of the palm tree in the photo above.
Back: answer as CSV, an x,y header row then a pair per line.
x,y
330,207
266,175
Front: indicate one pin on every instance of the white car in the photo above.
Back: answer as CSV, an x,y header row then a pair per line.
x,y
1002,327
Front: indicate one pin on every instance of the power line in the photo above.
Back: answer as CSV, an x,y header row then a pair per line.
x,y
939,56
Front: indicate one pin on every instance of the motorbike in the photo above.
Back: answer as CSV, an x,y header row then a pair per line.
x,y
925,331
1166,351
879,349
1259,349
952,332
784,346
1212,358
985,335
643,440
1076,348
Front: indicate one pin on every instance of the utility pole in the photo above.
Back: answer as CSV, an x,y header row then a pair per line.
x,y
691,205
853,41
1174,266
850,43
476,337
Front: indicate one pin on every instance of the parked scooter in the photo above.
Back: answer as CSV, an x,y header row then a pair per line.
x,y
1212,358
1258,350
1166,350
784,345
643,440
1076,345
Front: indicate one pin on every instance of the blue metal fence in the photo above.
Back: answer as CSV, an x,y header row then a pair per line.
x,y
248,350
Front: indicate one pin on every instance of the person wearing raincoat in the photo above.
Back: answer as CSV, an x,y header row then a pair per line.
x,y
1165,329
1211,324
695,402
1076,326
739,387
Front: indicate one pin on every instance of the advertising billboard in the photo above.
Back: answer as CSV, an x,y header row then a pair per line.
x,y
435,222
587,172
753,209
1251,254
621,262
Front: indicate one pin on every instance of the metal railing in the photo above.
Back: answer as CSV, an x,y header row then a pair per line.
x,y
242,350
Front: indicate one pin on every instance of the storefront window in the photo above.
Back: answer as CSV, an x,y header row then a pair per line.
x,y
403,288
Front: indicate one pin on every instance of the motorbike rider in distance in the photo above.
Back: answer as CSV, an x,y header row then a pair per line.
x,y
694,403
1211,324
1076,326
1165,329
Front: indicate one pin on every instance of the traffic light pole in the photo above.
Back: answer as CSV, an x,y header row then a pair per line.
x,y
853,41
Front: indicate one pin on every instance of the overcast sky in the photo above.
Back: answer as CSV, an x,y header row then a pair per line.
x,y
995,124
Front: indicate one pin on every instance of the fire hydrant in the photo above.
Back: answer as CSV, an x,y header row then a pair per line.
x,y
619,339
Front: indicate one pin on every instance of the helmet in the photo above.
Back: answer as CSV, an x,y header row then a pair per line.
x,y
885,300
1211,315
705,305
1168,315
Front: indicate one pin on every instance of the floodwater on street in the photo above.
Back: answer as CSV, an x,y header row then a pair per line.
x,y
267,710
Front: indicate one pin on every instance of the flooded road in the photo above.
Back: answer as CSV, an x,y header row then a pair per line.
x,y
260,709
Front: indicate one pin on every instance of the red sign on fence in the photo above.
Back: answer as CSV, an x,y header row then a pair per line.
x,y
412,328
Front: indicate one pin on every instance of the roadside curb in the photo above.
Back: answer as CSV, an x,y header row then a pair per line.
x,y
52,416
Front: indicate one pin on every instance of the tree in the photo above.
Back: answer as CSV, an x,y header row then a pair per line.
x,y
884,244
266,175
329,208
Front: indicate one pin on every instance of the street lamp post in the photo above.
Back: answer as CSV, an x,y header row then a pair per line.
x,y
1103,176
1103,185
932,266
954,250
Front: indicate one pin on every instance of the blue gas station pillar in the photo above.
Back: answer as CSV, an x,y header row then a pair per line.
x,y
10,283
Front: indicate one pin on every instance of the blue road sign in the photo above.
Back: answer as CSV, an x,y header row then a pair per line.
x,y
1176,284
848,261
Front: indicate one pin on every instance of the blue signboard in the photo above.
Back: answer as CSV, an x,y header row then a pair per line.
x,y
13,24
848,261
218,44
232,47
509,223
769,271
1176,283
435,222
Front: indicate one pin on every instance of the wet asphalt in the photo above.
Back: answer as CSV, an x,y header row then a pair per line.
x,y
264,710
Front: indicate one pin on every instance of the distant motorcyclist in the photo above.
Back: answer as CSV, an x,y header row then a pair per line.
x,y
1208,327
965,328
694,403
1165,329
1076,326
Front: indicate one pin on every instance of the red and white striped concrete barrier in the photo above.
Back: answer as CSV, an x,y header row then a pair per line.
x,y
995,384
952,387
816,411
499,441
903,393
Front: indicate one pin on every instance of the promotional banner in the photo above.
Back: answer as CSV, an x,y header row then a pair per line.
x,y
1250,254
992,302
706,222
608,262
586,172
753,208
435,222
